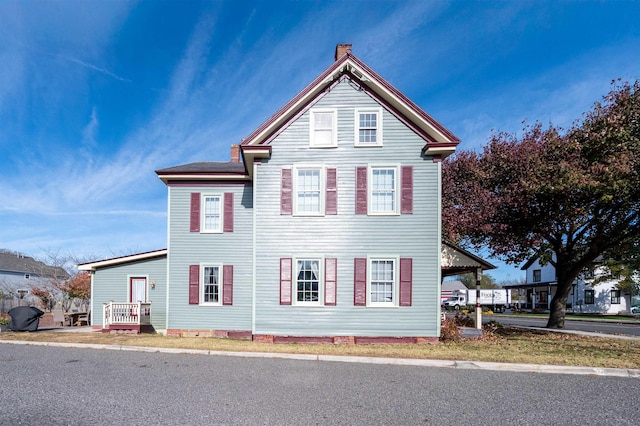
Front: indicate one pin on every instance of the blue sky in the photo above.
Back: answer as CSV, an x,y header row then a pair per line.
x,y
96,95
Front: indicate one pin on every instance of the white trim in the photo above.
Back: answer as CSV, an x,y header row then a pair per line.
x,y
92,266
334,127
396,281
356,131
204,177
439,260
385,94
167,296
294,188
253,248
396,201
146,287
203,198
294,281
202,283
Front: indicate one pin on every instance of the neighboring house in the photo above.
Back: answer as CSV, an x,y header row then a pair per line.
x,y
324,226
541,282
18,273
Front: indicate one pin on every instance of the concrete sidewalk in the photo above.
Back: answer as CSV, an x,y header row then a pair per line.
x,y
463,365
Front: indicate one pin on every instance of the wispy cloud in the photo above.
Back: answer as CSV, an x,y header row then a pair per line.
x,y
94,68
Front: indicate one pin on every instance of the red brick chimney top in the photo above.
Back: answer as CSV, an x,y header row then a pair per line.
x,y
235,153
341,49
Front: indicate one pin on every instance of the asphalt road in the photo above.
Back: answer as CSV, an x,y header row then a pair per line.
x,y
68,386
592,326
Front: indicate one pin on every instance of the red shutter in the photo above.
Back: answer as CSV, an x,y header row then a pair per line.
x,y
331,204
286,200
406,203
227,284
360,282
227,226
195,212
285,281
406,281
330,280
361,190
194,284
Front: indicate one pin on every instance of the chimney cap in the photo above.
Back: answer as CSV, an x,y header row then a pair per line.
x,y
342,49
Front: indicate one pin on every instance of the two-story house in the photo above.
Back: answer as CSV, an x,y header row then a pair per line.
x,y
594,291
324,226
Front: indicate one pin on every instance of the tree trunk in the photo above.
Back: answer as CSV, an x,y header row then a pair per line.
x,y
558,308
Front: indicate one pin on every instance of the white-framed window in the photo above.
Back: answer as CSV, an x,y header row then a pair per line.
x,y
211,213
615,297
308,289
323,128
368,127
537,275
383,190
27,276
308,187
382,282
210,284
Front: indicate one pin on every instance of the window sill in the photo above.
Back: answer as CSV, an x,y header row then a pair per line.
x,y
368,145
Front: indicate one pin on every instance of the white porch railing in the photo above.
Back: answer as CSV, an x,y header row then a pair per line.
x,y
119,313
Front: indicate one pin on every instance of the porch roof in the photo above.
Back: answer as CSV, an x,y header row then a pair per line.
x,y
455,260
531,285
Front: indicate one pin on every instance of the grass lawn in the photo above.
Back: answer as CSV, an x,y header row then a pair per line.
x,y
503,344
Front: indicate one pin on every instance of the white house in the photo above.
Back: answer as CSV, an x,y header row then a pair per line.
x,y
603,297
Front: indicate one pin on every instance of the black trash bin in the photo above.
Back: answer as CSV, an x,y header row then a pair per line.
x,y
24,318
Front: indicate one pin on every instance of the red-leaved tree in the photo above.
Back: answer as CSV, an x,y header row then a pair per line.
x,y
566,197
76,287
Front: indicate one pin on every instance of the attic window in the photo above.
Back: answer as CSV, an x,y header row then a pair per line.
x,y
368,127
27,276
323,128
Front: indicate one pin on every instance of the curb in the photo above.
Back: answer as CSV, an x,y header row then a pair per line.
x,y
462,365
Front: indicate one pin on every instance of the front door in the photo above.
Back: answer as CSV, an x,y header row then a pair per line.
x,y
138,290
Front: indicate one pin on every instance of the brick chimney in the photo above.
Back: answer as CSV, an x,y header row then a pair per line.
x,y
235,153
341,49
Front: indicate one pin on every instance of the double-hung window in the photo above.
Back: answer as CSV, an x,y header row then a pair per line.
x,y
309,191
308,281
589,298
323,128
212,213
382,282
615,297
210,286
383,190
368,129
537,275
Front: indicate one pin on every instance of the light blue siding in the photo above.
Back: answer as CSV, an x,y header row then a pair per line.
x,y
112,284
346,236
194,248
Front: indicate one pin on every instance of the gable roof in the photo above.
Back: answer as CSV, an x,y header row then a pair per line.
x,y
453,285
92,266
440,141
19,263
